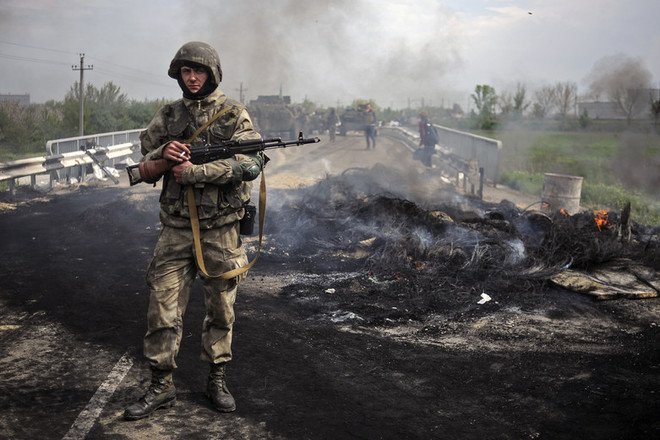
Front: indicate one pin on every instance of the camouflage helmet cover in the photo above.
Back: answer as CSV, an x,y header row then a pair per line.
x,y
199,53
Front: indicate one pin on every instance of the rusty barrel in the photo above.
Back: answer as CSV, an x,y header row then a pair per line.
x,y
561,191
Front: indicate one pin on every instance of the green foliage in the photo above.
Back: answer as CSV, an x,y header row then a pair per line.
x,y
614,197
584,119
485,99
308,107
105,110
24,130
362,103
655,110
616,168
579,154
594,195
140,113
530,183
520,104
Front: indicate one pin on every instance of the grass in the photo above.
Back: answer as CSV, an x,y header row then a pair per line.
x,y
616,167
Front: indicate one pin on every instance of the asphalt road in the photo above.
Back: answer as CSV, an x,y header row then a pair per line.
x,y
73,298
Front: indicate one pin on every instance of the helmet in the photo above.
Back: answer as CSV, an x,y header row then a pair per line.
x,y
196,52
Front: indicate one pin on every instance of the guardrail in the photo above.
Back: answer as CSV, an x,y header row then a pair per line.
x,y
67,145
470,147
32,167
466,171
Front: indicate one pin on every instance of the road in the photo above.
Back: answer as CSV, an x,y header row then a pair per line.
x,y
323,349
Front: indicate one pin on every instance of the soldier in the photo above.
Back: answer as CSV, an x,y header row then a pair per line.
x,y
331,122
370,127
428,138
221,189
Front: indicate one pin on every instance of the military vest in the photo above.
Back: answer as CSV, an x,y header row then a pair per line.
x,y
216,204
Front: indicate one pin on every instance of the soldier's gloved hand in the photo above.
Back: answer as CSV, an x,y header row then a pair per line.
x,y
252,166
250,171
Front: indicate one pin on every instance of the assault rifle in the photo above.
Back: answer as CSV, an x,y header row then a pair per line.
x,y
150,171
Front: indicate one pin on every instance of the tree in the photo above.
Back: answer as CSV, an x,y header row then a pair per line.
x,y
105,109
545,102
565,95
24,130
584,120
622,79
513,104
362,103
485,99
505,103
519,103
655,109
140,113
308,106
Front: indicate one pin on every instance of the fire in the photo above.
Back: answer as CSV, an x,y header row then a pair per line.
x,y
600,217
563,212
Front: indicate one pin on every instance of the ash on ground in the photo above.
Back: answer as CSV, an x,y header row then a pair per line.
x,y
416,251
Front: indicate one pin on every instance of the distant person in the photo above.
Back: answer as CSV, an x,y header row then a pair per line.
x,y
428,138
220,189
332,122
370,127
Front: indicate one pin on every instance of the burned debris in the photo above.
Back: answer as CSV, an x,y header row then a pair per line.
x,y
426,245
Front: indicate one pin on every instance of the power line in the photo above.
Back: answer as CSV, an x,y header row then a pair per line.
x,y
112,73
66,52
128,72
37,47
144,72
32,60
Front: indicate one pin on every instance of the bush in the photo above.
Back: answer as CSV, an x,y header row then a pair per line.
x,y
530,183
614,197
611,197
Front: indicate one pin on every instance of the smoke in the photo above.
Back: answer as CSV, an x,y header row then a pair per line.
x,y
615,76
332,51
636,163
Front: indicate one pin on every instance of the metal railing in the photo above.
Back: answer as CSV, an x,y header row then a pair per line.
x,y
466,171
67,145
485,151
66,165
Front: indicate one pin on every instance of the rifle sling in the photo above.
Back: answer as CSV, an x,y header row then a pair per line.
x,y
207,124
194,217
194,223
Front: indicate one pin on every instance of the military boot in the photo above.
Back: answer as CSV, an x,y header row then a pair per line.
x,y
216,389
160,394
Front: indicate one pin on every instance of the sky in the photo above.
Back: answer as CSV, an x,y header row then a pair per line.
x,y
398,53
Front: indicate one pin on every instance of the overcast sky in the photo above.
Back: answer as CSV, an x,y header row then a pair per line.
x,y
334,51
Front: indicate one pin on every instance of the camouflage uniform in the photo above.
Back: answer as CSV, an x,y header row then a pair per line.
x,y
221,189
220,193
370,128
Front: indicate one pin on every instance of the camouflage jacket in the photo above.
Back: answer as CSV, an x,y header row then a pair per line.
x,y
220,192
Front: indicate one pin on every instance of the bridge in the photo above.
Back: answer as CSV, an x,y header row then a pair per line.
x,y
472,160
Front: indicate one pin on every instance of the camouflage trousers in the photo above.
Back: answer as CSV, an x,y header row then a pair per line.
x,y
170,279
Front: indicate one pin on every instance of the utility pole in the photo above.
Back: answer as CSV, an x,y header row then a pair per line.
x,y
241,95
82,68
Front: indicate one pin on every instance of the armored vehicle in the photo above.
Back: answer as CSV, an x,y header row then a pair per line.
x,y
352,120
274,116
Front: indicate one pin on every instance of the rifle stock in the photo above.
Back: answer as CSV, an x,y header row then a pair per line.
x,y
150,171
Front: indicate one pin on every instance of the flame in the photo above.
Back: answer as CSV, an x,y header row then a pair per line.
x,y
600,217
563,212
